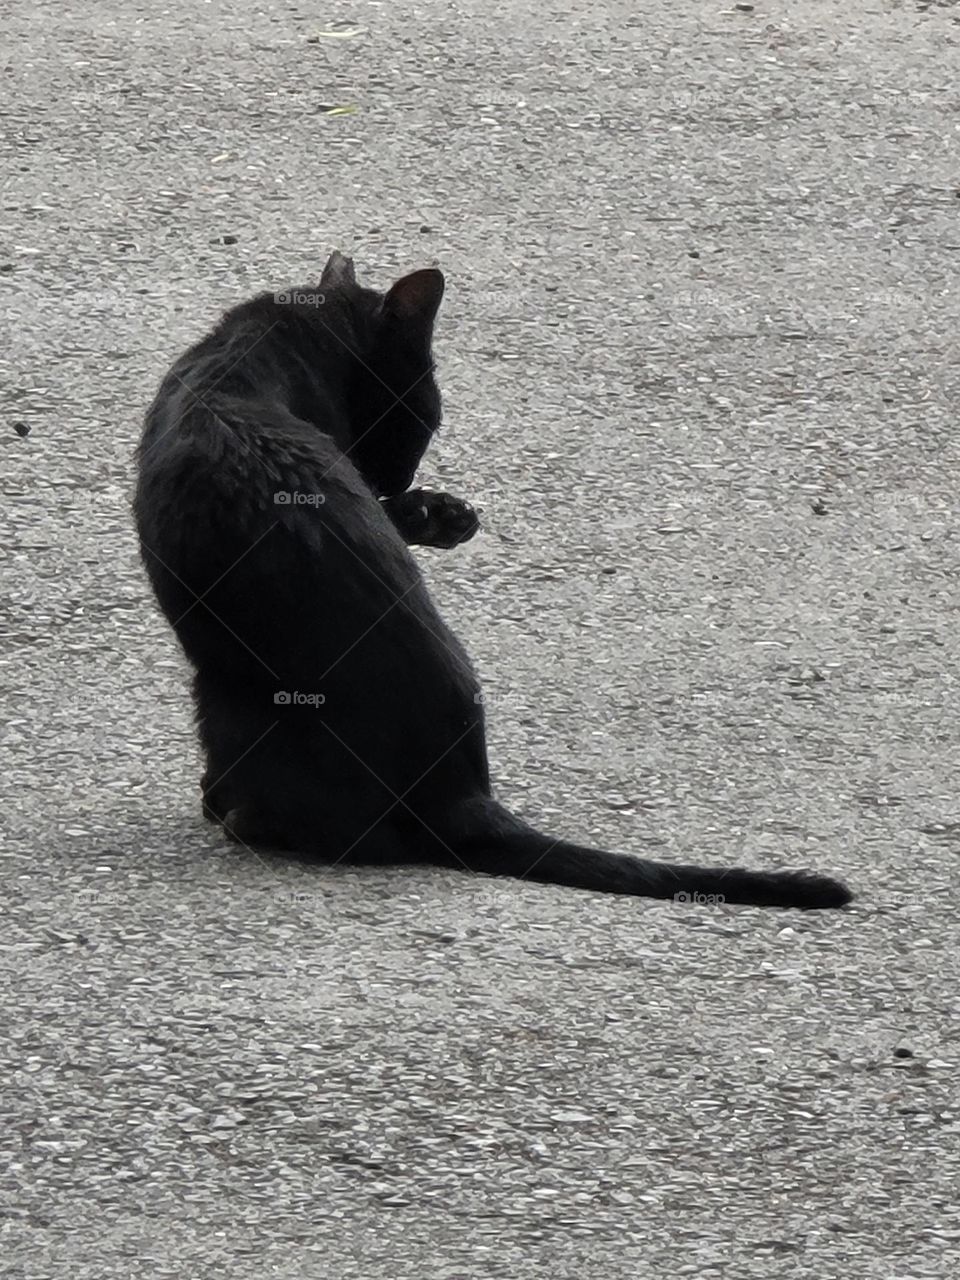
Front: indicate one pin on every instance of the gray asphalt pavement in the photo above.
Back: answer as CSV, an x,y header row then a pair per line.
x,y
699,352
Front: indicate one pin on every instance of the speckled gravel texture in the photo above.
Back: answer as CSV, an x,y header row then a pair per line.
x,y
700,358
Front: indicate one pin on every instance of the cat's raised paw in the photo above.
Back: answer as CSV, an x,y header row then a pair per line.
x,y
425,518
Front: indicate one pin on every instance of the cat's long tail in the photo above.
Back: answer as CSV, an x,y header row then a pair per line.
x,y
500,844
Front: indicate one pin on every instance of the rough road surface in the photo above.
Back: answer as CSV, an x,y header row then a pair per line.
x,y
700,359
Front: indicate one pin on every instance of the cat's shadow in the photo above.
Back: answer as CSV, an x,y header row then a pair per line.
x,y
199,849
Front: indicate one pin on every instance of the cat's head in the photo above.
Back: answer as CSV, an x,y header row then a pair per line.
x,y
395,401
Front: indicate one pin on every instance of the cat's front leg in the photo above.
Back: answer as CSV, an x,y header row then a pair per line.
x,y
425,518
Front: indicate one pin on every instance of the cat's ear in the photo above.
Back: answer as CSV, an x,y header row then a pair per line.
x,y
339,270
416,298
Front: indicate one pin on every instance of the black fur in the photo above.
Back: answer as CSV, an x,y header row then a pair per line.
x,y
273,509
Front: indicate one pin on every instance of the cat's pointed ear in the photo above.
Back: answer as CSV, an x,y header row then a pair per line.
x,y
416,298
339,270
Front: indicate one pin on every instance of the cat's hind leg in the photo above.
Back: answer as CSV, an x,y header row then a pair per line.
x,y
212,801
329,834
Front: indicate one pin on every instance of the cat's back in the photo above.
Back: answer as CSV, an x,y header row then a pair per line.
x,y
238,359
221,424
225,465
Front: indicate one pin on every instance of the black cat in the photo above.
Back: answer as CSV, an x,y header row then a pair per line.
x,y
339,715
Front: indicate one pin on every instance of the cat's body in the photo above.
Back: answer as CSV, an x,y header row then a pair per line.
x,y
339,715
